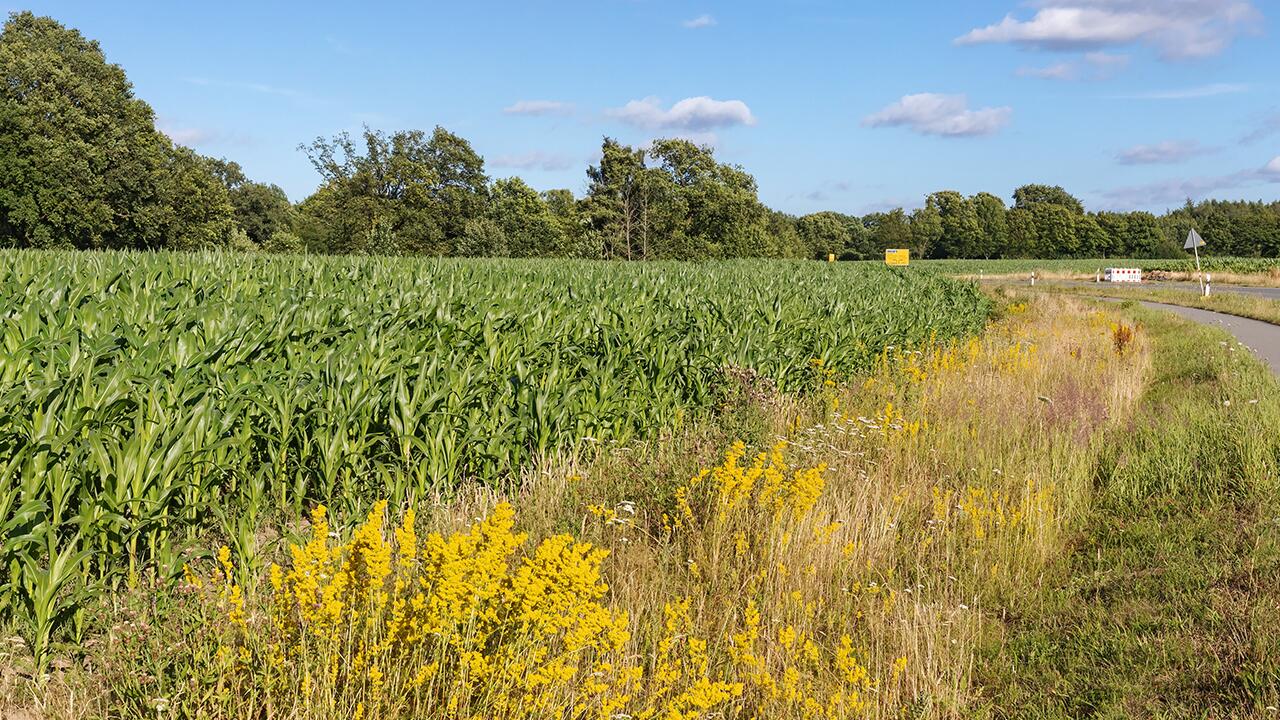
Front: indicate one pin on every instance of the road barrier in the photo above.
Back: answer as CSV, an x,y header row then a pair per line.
x,y
1123,275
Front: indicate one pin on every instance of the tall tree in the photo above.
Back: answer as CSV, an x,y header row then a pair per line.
x,y
961,235
384,197
531,230
726,218
993,224
889,230
824,233
261,210
617,203
460,190
196,212
1028,195
1055,231
926,228
81,163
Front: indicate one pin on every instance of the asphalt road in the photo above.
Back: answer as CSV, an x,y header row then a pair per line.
x,y
1266,292
1260,337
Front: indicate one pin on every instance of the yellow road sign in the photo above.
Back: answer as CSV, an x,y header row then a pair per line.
x,y
897,258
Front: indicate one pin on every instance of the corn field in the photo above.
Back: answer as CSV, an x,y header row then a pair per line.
x,y
1208,263
149,400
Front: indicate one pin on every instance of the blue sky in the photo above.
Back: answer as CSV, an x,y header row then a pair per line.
x,y
851,106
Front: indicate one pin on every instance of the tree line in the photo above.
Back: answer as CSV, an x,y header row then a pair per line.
x,y
82,165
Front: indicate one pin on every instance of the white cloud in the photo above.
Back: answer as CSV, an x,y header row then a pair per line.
x,y
1057,71
1170,151
535,160
945,115
194,137
1191,93
538,107
1174,191
1176,28
1268,126
1095,66
1103,61
702,21
191,137
696,114
262,88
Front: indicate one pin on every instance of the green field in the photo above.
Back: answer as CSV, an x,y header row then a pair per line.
x,y
1092,265
145,398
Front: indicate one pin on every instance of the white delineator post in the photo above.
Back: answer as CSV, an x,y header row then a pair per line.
x,y
1194,241
1207,281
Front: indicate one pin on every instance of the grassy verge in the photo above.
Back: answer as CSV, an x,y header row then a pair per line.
x,y
843,563
1267,279
1167,605
1250,306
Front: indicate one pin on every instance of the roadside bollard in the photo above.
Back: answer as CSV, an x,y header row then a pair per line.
x,y
1207,280
1033,278
1097,277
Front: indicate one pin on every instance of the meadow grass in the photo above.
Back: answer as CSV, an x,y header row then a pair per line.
x,y
149,401
1072,514
1241,304
1232,270
1167,604
844,553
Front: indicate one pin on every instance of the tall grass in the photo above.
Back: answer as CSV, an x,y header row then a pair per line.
x,y
846,564
1088,266
148,400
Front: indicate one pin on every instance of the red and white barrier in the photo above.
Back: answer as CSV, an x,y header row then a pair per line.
x,y
1133,275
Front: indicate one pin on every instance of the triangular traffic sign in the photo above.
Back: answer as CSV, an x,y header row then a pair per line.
x,y
1193,240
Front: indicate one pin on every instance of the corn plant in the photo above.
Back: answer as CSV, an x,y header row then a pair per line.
x,y
146,399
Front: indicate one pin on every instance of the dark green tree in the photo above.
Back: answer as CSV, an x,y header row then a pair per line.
x,y
889,230
530,228
195,210
824,233
261,210
926,228
961,235
993,224
1028,195
386,195
81,163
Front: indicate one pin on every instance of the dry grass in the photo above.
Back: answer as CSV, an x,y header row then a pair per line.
x,y
850,573
1267,279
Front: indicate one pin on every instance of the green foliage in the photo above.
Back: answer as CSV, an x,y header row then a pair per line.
x,y
81,163
82,166
1166,607
260,210
824,233
961,234
685,206
402,191
149,398
1029,196
529,227
993,225
1092,265
284,242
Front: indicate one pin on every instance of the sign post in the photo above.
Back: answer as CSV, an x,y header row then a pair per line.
x,y
897,258
1194,241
